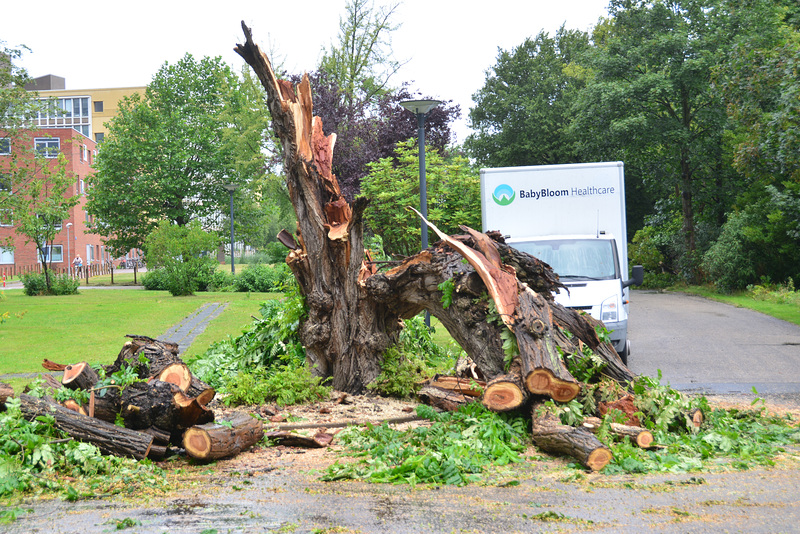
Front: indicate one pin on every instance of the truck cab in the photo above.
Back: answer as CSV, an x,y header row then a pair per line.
x,y
589,267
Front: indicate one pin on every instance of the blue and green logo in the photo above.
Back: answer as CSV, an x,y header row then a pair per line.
x,y
503,195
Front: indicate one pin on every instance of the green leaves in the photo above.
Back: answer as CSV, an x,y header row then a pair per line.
x,y
455,450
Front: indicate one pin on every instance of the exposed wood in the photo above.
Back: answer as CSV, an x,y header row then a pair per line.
x,y
53,366
552,436
637,435
443,399
283,437
71,404
79,376
109,438
342,424
465,386
214,441
625,406
6,391
506,392
177,373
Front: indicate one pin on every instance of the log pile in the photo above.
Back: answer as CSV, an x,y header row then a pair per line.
x,y
158,404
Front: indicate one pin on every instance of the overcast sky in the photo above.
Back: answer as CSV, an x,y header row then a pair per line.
x,y
448,44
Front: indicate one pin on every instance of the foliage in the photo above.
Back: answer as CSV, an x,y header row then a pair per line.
x,y
583,364
184,254
264,278
62,284
285,385
393,184
646,250
34,458
268,342
455,450
361,62
170,151
415,358
781,293
522,111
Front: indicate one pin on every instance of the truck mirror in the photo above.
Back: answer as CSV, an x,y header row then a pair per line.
x,y
638,277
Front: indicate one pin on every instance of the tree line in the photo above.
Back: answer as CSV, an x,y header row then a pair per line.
x,y
699,99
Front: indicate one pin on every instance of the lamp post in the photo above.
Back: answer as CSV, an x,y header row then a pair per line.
x,y
231,188
69,256
421,108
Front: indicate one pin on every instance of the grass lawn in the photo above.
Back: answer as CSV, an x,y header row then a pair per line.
x,y
787,311
91,326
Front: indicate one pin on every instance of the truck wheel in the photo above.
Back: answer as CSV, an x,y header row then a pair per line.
x,y
625,352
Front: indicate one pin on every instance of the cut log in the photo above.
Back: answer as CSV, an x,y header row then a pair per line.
x,y
638,435
543,369
72,404
109,438
290,439
552,436
506,392
214,441
177,373
79,376
161,405
465,386
53,366
697,417
443,399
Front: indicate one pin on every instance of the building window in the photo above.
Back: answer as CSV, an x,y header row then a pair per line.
x,y
98,137
47,147
5,183
56,251
5,146
70,112
98,106
6,256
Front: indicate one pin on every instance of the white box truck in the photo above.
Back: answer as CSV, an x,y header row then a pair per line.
x,y
573,218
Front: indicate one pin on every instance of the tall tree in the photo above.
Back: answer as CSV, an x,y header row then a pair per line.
x,y
522,112
393,183
651,95
361,63
167,154
39,200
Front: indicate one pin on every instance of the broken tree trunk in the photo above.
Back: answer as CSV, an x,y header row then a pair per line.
x,y
552,436
353,310
6,391
220,440
346,331
110,439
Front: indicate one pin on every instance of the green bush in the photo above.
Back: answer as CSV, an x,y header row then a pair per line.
x,y
730,262
263,278
155,280
60,284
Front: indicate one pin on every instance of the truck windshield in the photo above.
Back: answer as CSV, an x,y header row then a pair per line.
x,y
591,259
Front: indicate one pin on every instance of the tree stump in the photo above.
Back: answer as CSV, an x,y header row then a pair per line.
x,y
79,376
506,392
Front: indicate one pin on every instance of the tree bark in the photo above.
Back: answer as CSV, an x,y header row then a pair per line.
x,y
110,439
214,441
6,391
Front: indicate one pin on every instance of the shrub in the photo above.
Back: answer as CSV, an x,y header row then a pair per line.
x,y
155,280
182,251
60,284
730,261
221,281
263,278
275,252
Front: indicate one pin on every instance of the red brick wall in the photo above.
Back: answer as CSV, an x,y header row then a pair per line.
x,y
79,166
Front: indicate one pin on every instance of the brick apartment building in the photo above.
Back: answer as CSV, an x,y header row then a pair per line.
x,y
73,124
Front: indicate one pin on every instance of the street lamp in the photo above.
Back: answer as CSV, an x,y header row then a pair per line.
x,y
69,256
421,108
231,188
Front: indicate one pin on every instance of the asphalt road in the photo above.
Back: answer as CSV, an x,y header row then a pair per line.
x,y
712,348
697,344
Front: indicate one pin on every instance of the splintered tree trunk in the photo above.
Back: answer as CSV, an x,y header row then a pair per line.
x,y
354,311
346,332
